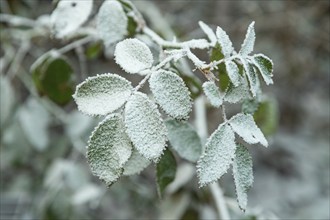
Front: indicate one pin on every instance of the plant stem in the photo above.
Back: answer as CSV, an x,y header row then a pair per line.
x,y
201,125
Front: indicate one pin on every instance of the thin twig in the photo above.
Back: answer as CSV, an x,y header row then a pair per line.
x,y
220,201
17,20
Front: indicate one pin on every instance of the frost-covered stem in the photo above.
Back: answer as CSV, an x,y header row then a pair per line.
x,y
142,82
220,201
201,125
17,20
62,50
223,110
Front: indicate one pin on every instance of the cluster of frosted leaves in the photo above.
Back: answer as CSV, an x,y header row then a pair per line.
x,y
69,15
220,146
252,64
213,94
245,127
102,94
243,174
145,126
135,164
133,56
108,149
111,22
184,139
171,93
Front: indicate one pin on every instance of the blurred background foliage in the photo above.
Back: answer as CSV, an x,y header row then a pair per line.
x,y
44,173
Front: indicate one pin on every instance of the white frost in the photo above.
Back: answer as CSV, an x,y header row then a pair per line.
x,y
69,15
245,127
145,126
108,149
225,43
248,44
265,66
171,93
252,76
133,55
213,94
239,93
218,155
102,94
209,32
233,72
111,22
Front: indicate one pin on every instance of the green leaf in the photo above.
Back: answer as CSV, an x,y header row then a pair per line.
x,y
133,55
267,116
246,128
248,44
265,67
102,94
218,155
94,50
213,94
108,149
184,139
243,174
111,22
233,73
53,79
171,94
166,169
225,43
145,126
135,164
224,80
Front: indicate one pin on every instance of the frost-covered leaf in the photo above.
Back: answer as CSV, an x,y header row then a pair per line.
x,y
133,55
135,164
239,93
35,120
252,77
265,67
111,22
225,43
209,32
171,93
145,126
213,94
248,44
108,149
233,72
102,94
69,15
87,193
166,169
218,155
243,174
184,139
244,126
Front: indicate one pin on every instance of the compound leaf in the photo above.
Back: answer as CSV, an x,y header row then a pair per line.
x,y
245,127
248,44
108,149
225,43
233,72
145,126
135,164
102,94
218,155
243,174
166,169
265,67
111,22
184,139
171,93
209,32
133,55
213,94
69,15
